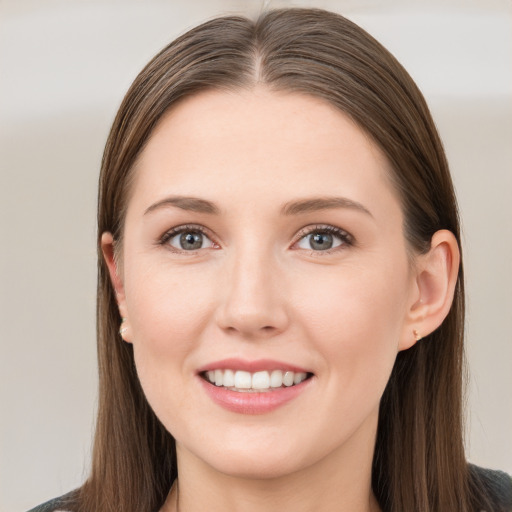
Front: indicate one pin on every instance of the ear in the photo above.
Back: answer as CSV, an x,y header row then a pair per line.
x,y
108,250
435,277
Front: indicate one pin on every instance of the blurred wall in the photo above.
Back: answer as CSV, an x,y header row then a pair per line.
x,y
64,67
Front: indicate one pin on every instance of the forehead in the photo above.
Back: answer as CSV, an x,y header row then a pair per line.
x,y
260,144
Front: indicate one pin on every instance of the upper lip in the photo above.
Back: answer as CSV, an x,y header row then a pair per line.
x,y
251,366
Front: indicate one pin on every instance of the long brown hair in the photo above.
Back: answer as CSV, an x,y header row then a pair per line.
x,y
419,462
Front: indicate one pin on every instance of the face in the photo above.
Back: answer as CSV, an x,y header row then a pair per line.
x,y
265,281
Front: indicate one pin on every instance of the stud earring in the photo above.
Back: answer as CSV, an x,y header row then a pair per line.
x,y
417,335
122,328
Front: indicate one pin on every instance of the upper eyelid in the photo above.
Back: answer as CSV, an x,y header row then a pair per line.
x,y
307,230
172,232
346,238
186,227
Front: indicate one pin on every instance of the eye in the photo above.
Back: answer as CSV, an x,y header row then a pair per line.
x,y
323,238
187,239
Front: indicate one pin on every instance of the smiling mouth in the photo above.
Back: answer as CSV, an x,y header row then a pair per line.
x,y
257,382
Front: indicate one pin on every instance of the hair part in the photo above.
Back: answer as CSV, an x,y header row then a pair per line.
x,y
419,462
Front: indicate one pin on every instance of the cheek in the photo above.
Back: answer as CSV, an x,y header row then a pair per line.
x,y
356,319
168,308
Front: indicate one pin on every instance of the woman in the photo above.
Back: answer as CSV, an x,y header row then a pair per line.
x,y
280,294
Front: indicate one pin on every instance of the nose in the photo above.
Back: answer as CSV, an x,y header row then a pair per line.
x,y
252,301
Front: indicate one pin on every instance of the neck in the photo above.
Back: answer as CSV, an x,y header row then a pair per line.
x,y
264,497
340,481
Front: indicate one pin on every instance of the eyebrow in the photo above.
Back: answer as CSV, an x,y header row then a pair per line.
x,y
322,203
196,204
191,204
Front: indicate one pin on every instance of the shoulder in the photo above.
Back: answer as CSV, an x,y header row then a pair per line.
x,y
61,504
497,484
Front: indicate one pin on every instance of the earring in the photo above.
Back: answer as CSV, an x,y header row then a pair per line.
x,y
417,335
122,328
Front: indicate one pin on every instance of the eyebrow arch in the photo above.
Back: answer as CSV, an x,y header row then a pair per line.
x,y
321,203
193,204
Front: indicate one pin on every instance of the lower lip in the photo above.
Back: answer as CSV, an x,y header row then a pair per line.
x,y
253,402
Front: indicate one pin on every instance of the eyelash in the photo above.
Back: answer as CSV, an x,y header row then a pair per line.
x,y
192,228
346,238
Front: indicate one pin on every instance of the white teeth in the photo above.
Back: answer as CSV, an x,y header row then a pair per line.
x,y
276,379
288,378
229,378
262,381
299,377
243,380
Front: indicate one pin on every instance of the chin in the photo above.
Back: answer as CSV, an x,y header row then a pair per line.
x,y
255,467
260,457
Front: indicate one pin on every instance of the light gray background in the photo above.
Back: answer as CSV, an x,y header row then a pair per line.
x,y
64,67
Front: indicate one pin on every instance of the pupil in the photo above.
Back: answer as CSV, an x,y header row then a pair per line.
x,y
321,241
191,240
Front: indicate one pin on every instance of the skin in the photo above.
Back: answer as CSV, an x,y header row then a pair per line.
x,y
258,289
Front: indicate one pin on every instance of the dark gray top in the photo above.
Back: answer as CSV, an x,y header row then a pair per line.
x,y
497,483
